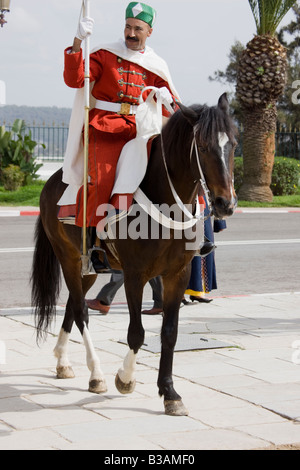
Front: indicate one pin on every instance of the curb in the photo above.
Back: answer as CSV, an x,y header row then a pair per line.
x,y
267,210
11,212
18,213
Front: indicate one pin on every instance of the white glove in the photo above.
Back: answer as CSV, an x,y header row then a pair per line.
x,y
166,95
85,28
166,98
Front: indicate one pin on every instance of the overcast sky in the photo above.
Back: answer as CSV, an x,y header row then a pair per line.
x,y
193,36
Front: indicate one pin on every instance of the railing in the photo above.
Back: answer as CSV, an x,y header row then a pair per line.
x,y
55,139
288,144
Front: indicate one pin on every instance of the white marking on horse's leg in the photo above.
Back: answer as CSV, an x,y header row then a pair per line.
x,y
125,378
97,382
127,372
63,367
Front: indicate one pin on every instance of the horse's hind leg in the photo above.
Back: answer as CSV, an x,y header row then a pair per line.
x,y
125,378
97,383
172,298
63,368
77,311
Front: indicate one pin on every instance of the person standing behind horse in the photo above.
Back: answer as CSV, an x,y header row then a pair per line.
x,y
119,72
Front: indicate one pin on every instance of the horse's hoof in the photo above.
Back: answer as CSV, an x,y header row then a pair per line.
x,y
124,388
175,408
97,386
65,372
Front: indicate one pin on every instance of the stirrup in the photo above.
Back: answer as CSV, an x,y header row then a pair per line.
x,y
92,265
207,248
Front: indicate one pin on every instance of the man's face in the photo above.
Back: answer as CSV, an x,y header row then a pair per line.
x,y
136,33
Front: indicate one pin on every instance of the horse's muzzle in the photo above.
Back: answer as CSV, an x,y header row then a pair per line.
x,y
221,207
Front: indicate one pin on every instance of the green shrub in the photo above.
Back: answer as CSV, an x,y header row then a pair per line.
x,y
12,177
285,175
17,148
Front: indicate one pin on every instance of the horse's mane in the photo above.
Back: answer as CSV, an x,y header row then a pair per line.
x,y
211,121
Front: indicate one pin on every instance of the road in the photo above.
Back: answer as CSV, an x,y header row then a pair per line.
x,y
259,252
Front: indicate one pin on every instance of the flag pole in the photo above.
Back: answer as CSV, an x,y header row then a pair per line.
x,y
85,262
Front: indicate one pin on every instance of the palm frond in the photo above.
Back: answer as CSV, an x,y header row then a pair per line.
x,y
268,14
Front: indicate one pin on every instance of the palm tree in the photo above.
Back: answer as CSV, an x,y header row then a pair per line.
x,y
261,80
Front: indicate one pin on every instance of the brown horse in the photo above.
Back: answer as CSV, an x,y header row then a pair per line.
x,y
197,142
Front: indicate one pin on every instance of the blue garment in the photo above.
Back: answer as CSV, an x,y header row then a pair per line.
x,y
203,276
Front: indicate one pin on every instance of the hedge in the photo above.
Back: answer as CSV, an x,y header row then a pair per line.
x,y
285,175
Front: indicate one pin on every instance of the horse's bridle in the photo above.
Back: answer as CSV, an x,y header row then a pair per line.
x,y
201,174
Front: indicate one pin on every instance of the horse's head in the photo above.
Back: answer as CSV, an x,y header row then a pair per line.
x,y
214,133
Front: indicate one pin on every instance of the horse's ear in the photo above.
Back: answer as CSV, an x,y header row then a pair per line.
x,y
223,103
189,114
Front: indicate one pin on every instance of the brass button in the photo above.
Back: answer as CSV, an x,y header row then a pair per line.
x,y
119,60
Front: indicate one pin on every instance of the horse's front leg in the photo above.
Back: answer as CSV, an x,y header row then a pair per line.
x,y
125,378
172,298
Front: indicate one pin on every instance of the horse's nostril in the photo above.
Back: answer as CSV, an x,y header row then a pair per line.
x,y
221,203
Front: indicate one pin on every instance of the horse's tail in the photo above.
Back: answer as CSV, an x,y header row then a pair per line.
x,y
45,280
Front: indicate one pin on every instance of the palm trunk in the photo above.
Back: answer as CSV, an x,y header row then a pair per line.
x,y
258,153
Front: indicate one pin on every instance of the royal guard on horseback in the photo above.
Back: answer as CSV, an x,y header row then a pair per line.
x,y
193,150
120,75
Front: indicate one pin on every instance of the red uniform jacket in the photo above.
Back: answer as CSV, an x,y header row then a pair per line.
x,y
116,80
119,81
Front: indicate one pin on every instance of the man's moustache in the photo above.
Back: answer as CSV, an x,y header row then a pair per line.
x,y
129,38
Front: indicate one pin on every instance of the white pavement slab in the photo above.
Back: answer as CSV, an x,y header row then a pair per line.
x,y
242,397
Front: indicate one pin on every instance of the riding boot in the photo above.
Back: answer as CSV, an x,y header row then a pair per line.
x,y
207,247
98,265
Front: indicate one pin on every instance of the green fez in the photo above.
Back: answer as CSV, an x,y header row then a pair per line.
x,y
142,12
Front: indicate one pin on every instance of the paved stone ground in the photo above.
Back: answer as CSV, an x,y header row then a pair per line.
x,y
244,396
